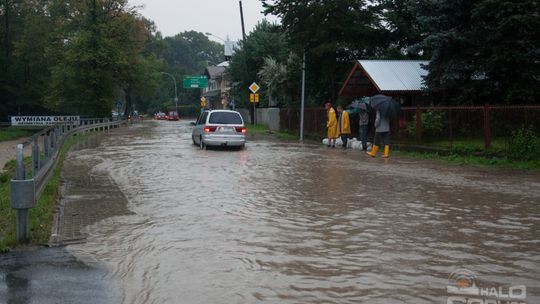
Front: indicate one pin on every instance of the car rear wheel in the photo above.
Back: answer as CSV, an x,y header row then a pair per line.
x,y
193,139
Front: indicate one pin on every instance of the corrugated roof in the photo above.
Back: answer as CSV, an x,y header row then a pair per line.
x,y
395,75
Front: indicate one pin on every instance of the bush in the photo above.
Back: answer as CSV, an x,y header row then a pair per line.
x,y
462,149
524,144
432,124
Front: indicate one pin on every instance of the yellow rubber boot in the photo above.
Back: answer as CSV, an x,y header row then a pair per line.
x,y
386,151
374,151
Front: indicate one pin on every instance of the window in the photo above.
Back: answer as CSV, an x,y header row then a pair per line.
x,y
202,118
231,118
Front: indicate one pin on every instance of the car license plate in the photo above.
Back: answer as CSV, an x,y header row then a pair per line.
x,y
224,129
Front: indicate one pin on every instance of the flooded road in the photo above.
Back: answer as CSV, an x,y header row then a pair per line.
x,y
290,223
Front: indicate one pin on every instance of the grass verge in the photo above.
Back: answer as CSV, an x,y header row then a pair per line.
x,y
472,160
41,216
12,134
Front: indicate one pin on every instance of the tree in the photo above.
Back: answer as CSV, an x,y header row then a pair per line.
x,y
332,33
281,79
481,51
188,53
87,60
402,31
266,40
507,44
24,32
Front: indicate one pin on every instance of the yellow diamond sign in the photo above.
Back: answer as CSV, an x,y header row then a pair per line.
x,y
254,88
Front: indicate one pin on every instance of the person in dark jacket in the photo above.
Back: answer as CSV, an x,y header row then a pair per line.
x,y
363,127
382,134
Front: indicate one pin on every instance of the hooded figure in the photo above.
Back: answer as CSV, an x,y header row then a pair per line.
x,y
331,124
344,126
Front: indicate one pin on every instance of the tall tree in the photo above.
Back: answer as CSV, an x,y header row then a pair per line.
x,y
333,33
188,53
83,74
482,51
266,40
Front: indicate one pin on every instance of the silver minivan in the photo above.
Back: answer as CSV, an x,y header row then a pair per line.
x,y
219,128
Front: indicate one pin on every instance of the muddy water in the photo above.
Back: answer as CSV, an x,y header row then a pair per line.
x,y
286,223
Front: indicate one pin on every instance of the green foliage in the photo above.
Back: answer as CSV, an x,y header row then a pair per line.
x,y
481,51
473,160
463,150
12,134
432,124
524,145
7,214
280,79
266,40
80,57
186,53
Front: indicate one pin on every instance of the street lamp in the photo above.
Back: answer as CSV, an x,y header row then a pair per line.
x,y
210,34
175,91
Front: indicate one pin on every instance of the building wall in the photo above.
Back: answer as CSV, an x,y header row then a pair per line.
x,y
265,116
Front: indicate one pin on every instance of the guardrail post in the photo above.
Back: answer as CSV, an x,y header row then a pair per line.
x,y
22,214
35,156
46,145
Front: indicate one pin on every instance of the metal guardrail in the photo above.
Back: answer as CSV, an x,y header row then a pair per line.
x,y
25,188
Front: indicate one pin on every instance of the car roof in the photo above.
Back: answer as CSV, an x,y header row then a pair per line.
x,y
230,111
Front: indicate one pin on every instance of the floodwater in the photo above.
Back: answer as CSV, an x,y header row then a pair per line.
x,y
290,223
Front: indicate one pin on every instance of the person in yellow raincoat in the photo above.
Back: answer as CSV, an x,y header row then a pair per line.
x,y
344,126
331,124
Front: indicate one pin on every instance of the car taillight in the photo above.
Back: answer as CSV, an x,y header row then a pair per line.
x,y
209,129
241,129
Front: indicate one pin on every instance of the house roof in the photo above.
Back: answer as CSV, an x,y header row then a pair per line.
x,y
214,72
370,77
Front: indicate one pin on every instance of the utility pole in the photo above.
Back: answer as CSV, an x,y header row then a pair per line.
x,y
252,107
242,19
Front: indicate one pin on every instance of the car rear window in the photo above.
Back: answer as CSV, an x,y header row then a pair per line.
x,y
225,118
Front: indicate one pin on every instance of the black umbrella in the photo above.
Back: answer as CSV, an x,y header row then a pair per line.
x,y
387,106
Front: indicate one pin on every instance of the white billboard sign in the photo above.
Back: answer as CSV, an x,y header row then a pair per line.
x,y
26,121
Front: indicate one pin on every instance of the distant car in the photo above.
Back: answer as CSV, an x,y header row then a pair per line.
x,y
160,116
173,116
219,128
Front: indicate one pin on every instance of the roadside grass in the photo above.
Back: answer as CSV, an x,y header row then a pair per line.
x,y
499,146
12,134
41,216
474,160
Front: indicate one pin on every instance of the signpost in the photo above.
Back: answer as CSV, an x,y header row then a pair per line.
x,y
254,99
254,88
194,82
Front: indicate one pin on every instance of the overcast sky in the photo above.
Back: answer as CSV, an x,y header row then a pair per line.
x,y
219,17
